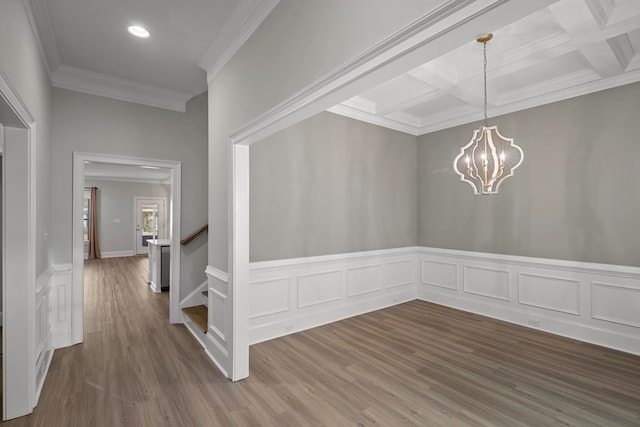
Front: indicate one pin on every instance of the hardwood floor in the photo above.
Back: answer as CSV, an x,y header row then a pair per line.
x,y
411,364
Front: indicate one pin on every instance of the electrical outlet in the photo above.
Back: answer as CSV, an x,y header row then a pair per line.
x,y
534,322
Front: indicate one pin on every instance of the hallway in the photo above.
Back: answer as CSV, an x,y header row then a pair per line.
x,y
134,368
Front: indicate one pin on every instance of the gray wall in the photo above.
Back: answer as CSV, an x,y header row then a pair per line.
x,y
1,211
332,185
287,52
115,200
20,62
94,124
575,197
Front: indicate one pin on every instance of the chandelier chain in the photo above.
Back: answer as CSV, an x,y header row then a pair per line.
x,y
484,50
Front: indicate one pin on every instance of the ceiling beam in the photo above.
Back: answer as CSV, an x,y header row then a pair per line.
x,y
579,21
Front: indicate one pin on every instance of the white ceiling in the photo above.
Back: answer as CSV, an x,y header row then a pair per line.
x,y
128,173
87,48
571,48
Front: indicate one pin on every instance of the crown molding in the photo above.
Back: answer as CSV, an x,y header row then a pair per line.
x,y
40,21
93,83
246,18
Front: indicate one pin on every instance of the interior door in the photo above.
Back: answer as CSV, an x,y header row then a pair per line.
x,y
150,222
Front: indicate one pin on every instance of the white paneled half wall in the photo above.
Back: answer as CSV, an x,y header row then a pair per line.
x,y
296,294
596,303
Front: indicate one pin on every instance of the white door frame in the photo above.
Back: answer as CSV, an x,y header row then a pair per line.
x,y
452,25
135,218
18,272
77,292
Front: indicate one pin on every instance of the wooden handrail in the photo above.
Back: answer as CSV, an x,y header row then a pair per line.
x,y
189,239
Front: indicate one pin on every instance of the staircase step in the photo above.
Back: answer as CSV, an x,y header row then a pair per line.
x,y
199,315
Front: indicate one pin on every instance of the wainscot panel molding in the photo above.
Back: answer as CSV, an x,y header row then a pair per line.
x,y
596,303
60,303
292,295
215,341
44,331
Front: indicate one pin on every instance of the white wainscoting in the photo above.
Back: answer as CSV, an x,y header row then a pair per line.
x,y
60,305
216,340
43,329
292,295
595,303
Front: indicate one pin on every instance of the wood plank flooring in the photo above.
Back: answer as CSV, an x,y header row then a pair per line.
x,y
412,364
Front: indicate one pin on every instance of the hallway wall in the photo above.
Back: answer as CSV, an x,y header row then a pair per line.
x,y
21,64
94,124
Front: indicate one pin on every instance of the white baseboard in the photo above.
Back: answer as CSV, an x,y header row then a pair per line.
x,y
595,303
117,254
292,295
154,288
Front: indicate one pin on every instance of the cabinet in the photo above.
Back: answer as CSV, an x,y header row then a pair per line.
x,y
159,264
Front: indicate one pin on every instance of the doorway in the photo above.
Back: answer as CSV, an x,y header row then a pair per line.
x,y
149,222
20,382
172,221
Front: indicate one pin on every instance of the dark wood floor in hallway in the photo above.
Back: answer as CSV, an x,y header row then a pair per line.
x,y
411,364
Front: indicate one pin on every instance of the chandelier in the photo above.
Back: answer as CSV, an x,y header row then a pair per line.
x,y
489,158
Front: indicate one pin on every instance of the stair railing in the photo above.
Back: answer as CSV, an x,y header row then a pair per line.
x,y
195,235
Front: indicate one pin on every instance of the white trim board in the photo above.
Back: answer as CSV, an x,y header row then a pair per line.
x,y
117,254
18,272
246,18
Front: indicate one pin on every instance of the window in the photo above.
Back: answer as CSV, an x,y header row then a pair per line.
x,y
85,214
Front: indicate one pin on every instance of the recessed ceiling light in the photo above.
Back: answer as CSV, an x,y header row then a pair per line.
x,y
149,167
138,31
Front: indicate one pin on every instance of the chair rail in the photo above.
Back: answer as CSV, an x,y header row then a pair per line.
x,y
195,235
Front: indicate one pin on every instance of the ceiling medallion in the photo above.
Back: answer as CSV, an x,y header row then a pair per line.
x,y
489,158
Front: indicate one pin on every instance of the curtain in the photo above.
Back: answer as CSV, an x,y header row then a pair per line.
x,y
94,244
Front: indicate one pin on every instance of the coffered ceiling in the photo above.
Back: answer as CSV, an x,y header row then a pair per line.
x,y
570,48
